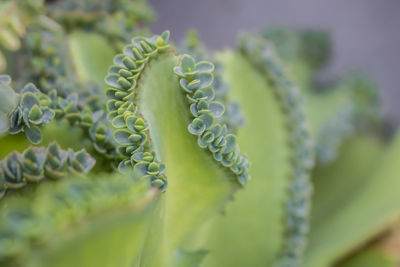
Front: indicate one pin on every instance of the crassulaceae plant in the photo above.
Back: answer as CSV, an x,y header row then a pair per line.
x,y
30,114
132,133
37,163
195,79
123,149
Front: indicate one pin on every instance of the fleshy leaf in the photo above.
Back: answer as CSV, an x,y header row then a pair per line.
x,y
33,134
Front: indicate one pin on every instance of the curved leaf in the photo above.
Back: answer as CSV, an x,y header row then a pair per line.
x,y
356,197
198,186
251,232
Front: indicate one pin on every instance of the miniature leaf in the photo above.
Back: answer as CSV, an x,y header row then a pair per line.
x,y
33,134
188,64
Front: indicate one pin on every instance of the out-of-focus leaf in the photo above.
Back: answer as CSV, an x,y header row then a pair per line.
x,y
185,258
99,221
91,55
355,197
371,258
8,100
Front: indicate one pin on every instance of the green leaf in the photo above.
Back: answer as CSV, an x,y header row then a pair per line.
x,y
47,115
216,109
188,64
29,100
35,114
30,87
91,55
355,197
197,126
185,258
200,81
251,232
334,111
122,137
371,258
9,39
204,66
33,134
79,222
165,36
198,187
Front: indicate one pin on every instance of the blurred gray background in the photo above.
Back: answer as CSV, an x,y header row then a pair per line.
x,y
366,33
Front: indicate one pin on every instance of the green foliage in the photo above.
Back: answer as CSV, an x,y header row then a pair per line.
x,y
76,210
131,131
189,259
250,232
7,102
30,114
116,20
232,116
37,163
371,258
36,109
313,47
336,111
146,170
195,79
15,17
302,159
132,75
198,187
360,186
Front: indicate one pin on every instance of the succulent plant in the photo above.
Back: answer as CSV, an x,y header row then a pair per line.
x,y
195,79
29,114
183,157
37,163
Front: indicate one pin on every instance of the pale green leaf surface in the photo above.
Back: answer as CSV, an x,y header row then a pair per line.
x,y
251,231
109,240
370,258
185,258
16,142
91,55
105,227
355,198
198,186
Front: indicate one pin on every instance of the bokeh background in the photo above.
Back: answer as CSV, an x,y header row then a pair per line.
x,y
366,33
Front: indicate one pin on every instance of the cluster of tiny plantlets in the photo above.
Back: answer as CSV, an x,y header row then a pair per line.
x,y
30,113
37,163
115,20
35,109
311,50
13,24
45,46
232,116
131,128
196,79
